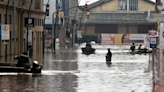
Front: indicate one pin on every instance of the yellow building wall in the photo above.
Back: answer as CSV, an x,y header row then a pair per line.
x,y
110,6
133,29
96,9
122,29
118,38
145,6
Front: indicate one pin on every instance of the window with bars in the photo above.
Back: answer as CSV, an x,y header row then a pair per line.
x,y
133,4
122,4
128,5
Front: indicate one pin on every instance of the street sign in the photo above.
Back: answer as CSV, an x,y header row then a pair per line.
x,y
30,22
29,35
161,43
5,32
47,43
57,39
147,41
79,34
153,42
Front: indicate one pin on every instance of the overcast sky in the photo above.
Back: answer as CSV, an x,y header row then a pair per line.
x,y
82,2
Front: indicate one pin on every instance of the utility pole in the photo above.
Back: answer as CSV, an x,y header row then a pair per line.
x,y
44,27
27,26
56,24
14,29
6,23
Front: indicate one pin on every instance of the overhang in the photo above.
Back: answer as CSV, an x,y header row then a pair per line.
x,y
156,17
117,18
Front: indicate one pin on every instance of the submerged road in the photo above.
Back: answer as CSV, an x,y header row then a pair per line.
x,y
72,71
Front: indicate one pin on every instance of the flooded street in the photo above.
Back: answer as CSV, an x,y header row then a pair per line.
x,y
72,71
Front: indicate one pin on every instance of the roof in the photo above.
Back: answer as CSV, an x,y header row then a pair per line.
x,y
116,18
98,3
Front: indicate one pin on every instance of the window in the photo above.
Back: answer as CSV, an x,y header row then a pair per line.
x,y
10,19
0,18
42,22
4,18
37,4
133,4
36,22
122,4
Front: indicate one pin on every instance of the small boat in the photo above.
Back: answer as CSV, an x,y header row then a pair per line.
x,y
23,66
140,52
88,50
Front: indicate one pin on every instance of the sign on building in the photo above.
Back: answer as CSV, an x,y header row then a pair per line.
x,y
147,41
29,35
107,39
79,34
153,42
30,22
4,32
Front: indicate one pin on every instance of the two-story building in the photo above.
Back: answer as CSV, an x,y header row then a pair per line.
x,y
118,17
22,7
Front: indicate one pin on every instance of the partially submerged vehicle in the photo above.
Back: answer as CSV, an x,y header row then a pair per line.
x,y
88,49
23,66
141,52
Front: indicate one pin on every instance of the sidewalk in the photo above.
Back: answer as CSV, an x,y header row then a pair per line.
x,y
37,56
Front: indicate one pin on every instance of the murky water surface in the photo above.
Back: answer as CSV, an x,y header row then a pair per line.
x,y
71,71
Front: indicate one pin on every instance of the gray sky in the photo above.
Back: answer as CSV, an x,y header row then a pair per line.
x,y
91,1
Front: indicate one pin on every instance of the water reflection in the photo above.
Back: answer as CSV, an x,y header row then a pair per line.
x,y
38,83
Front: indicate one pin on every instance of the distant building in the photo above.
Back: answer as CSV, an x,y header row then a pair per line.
x,y
64,4
118,16
37,12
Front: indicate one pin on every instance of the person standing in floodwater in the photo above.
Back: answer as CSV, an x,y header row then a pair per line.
x,y
109,57
132,48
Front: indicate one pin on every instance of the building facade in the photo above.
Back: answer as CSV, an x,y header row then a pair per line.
x,y
118,16
22,6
